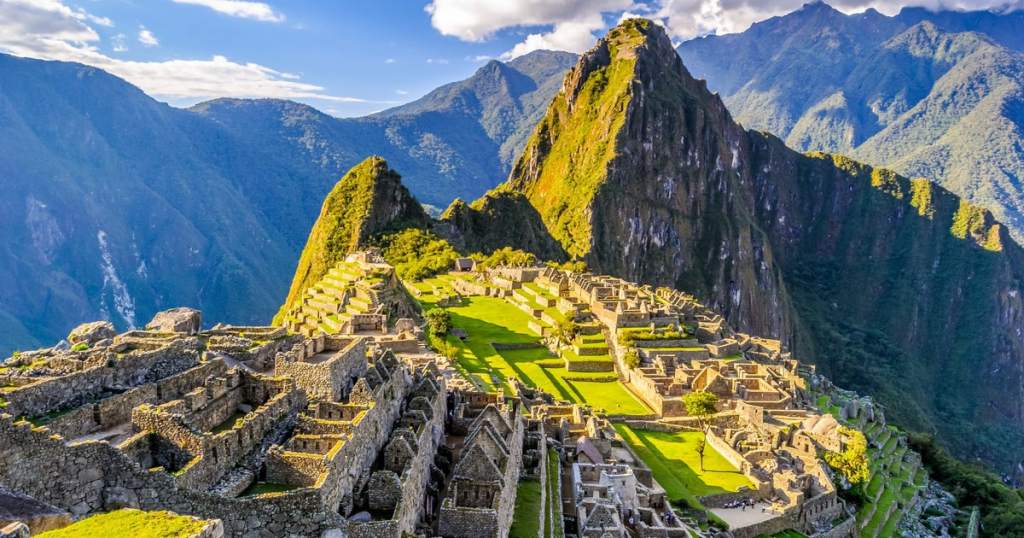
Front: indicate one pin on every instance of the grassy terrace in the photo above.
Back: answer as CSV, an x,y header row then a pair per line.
x,y
553,520
134,523
489,320
674,460
526,522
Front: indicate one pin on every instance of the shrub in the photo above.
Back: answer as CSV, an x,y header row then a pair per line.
x,y
852,462
81,346
632,358
439,321
417,254
508,257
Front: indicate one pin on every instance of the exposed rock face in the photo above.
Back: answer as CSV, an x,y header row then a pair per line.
x,y
92,332
895,287
177,320
369,200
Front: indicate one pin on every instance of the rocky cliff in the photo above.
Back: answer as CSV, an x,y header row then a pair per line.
x,y
895,287
368,200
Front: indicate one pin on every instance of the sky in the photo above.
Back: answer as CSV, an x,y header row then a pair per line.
x,y
349,57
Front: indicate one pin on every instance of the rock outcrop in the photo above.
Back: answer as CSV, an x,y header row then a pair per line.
x,y
92,332
177,320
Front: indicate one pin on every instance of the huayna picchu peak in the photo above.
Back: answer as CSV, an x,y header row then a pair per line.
x,y
660,324
889,284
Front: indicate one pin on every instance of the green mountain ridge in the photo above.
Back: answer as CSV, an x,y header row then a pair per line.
x,y
917,92
370,199
210,207
894,287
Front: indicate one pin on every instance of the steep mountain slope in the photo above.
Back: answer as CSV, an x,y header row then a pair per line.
x,y
118,206
896,91
894,287
368,200
457,141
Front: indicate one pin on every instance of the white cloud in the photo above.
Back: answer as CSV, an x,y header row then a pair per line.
x,y
443,61
50,30
389,61
147,38
573,25
118,43
690,18
572,22
259,11
401,92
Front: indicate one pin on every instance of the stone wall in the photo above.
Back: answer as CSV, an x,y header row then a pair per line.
x,y
91,477
329,379
76,388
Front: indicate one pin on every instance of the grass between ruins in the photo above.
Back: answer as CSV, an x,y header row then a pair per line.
x,y
526,521
674,460
128,522
490,320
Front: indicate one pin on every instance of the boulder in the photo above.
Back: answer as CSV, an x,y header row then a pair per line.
x,y
15,529
177,320
92,332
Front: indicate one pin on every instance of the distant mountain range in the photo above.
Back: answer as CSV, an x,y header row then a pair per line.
x,y
938,95
116,206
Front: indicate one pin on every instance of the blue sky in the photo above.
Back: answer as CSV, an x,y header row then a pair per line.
x,y
346,57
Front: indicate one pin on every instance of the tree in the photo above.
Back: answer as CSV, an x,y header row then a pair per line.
x,y
701,405
631,358
565,331
439,321
852,462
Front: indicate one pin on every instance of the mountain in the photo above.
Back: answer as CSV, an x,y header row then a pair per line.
x,y
457,141
368,200
894,287
117,206
930,94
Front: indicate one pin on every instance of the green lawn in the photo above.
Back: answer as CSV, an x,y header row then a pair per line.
x,y
128,522
490,320
674,460
553,521
526,521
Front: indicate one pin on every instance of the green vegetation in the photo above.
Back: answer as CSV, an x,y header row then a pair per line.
x,y
526,521
675,462
81,346
347,219
701,405
416,254
260,488
852,462
921,197
560,180
553,520
439,322
632,358
1002,507
490,320
506,256
130,522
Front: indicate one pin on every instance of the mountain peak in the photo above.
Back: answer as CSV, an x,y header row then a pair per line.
x,y
368,200
598,123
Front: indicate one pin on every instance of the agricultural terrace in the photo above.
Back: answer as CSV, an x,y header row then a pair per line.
x,y
674,460
487,321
